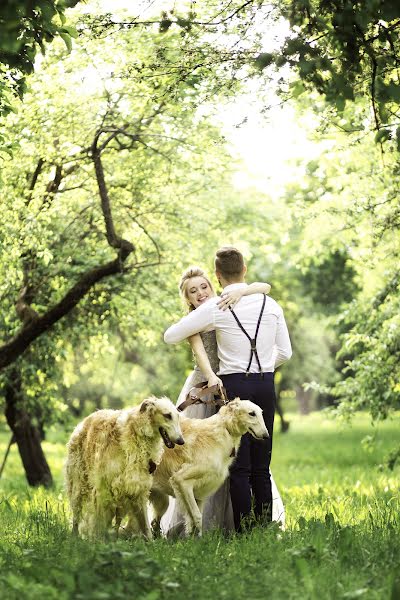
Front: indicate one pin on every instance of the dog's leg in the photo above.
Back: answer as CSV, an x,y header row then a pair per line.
x,y
160,504
102,515
79,506
119,514
182,483
143,518
76,486
200,504
132,526
90,516
76,506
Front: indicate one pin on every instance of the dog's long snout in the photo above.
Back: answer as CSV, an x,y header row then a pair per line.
x,y
266,435
180,441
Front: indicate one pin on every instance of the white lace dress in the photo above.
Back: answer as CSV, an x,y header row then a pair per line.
x,y
217,510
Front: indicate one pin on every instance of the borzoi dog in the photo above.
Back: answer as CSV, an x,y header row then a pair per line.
x,y
112,455
199,468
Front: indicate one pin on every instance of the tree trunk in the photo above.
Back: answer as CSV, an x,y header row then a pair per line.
x,y
304,400
26,434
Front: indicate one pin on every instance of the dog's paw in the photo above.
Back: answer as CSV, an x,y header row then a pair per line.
x,y
156,528
195,531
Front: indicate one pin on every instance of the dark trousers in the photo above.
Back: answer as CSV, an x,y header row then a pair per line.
x,y
249,474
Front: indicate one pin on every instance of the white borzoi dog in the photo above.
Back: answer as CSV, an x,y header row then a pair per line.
x,y
112,455
197,469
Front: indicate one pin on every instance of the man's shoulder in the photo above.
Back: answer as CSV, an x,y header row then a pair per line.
x,y
273,303
257,299
254,303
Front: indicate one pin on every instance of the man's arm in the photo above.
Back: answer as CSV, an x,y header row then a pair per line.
x,y
201,319
283,347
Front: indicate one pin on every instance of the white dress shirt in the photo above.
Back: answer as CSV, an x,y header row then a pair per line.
x,y
273,342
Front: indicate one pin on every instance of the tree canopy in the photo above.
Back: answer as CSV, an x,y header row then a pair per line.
x,y
25,28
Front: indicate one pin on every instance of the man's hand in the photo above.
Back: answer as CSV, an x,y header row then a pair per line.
x,y
230,299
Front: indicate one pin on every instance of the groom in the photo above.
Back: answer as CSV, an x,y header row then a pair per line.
x,y
252,341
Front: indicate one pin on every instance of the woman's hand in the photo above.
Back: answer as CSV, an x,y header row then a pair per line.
x,y
214,380
230,299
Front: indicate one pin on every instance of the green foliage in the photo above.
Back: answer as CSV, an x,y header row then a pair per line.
x,y
25,28
330,281
165,167
346,50
371,352
345,216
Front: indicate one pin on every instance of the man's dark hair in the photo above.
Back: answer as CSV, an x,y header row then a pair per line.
x,y
229,263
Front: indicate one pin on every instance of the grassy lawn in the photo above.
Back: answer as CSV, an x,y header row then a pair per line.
x,y
342,538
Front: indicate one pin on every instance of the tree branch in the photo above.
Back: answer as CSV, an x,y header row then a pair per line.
x,y
10,351
150,22
52,186
35,327
124,246
34,178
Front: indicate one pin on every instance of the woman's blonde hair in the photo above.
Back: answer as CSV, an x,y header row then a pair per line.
x,y
183,284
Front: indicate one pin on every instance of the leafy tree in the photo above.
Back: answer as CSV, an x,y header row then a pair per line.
x,y
330,281
345,50
25,27
93,196
345,209
371,350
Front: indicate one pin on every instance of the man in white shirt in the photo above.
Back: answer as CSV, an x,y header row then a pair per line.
x,y
253,341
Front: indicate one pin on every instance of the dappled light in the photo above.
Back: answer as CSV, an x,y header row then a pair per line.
x,y
137,139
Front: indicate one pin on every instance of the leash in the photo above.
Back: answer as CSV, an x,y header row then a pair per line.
x,y
219,396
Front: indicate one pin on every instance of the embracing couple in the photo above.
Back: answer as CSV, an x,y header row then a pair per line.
x,y
239,348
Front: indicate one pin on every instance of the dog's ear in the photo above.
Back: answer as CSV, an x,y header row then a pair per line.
x,y
234,404
147,406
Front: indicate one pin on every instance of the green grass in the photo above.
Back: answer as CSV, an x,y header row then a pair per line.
x,y
342,538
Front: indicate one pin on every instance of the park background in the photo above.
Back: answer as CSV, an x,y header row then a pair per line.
x,y
135,139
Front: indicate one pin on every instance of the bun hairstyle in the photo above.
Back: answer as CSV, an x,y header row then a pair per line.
x,y
183,284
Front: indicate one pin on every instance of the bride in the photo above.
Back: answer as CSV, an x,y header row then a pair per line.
x,y
195,289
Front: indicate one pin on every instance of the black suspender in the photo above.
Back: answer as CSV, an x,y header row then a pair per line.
x,y
253,342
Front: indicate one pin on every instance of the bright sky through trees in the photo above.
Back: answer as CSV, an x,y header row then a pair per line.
x,y
270,146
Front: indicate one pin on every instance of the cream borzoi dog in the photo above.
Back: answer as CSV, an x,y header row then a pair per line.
x,y
199,468
112,455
